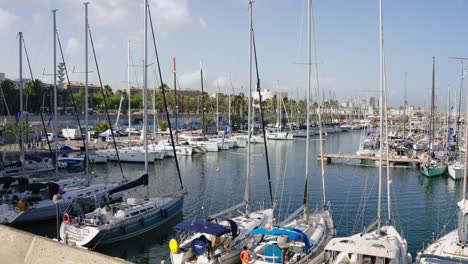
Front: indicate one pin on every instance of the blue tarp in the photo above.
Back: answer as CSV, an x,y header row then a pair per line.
x,y
203,227
292,233
65,148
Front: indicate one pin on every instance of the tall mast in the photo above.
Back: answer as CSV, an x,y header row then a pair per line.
x,y
322,166
86,91
202,101
406,107
431,124
154,104
249,116
379,201
463,202
217,108
176,105
21,139
129,95
459,100
229,106
387,154
55,95
145,85
309,71
448,120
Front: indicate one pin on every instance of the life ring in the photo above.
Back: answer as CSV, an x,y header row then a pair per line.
x,y
227,244
67,219
245,256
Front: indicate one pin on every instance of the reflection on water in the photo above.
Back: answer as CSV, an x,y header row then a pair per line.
x,y
216,181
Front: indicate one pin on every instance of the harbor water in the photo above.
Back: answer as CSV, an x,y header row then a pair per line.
x,y
423,208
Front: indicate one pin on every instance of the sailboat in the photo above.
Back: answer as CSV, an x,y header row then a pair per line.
x,y
217,239
132,217
451,248
299,238
377,243
279,134
457,168
432,166
32,207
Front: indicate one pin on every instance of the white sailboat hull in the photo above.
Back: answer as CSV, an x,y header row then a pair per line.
x,y
456,171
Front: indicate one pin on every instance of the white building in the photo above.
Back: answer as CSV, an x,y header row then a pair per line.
x,y
2,76
267,94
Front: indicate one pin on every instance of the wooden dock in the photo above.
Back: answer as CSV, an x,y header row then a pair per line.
x,y
328,158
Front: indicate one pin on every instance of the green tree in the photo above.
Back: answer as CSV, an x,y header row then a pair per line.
x,y
28,90
163,125
101,126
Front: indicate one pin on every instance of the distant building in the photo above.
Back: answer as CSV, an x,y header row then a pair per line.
x,y
185,92
266,94
77,87
2,76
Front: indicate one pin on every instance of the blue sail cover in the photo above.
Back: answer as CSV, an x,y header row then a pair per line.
x,y
201,226
293,234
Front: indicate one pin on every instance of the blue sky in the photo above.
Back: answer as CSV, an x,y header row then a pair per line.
x,y
216,33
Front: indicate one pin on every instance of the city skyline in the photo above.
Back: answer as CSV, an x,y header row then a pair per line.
x,y
217,35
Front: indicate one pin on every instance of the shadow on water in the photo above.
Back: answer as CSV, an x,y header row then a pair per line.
x,y
42,228
149,247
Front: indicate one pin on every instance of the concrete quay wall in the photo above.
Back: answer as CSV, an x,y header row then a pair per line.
x,y
21,247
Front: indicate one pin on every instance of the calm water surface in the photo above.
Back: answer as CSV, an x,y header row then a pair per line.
x,y
422,207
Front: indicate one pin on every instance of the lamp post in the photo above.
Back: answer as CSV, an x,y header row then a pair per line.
x,y
57,199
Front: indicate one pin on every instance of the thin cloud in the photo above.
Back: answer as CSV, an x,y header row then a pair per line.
x,y
73,47
169,16
7,19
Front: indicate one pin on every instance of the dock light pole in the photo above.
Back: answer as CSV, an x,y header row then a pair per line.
x,y
57,199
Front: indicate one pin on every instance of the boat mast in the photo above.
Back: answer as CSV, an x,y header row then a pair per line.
x,y
55,93
145,86
176,105
229,105
154,104
431,124
461,226
459,100
129,95
309,71
322,165
249,116
463,203
217,108
202,101
448,120
21,139
86,91
379,201
387,152
404,115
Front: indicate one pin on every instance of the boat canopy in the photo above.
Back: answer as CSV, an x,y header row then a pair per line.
x,y
293,234
201,226
142,181
108,133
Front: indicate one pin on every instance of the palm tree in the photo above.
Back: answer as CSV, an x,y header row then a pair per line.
x,y
28,90
108,90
